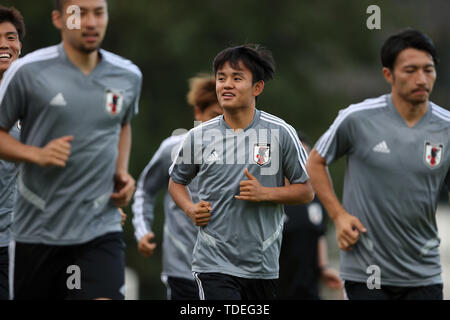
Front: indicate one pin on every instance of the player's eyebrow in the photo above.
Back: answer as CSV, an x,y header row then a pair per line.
x,y
11,33
419,66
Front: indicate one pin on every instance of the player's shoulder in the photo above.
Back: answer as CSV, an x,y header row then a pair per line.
x,y
366,106
32,59
172,141
121,62
213,123
273,122
440,113
365,109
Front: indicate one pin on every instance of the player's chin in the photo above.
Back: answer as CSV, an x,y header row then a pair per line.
x,y
90,47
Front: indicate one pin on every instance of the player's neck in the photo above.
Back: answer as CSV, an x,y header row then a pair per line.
x,y
410,112
86,62
239,118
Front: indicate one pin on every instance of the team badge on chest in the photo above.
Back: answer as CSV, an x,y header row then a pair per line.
x,y
433,154
114,101
261,154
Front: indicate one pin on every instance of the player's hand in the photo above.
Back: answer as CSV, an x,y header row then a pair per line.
x,y
145,246
251,189
123,215
348,228
200,213
125,185
331,278
55,153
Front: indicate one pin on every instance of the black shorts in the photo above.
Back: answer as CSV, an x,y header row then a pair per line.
x,y
95,269
218,286
181,289
4,280
360,291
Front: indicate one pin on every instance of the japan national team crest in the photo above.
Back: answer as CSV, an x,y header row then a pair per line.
x,y
433,154
261,154
114,101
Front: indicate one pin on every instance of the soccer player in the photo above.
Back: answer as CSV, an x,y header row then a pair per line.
x,y
180,233
303,256
12,31
397,161
76,102
241,160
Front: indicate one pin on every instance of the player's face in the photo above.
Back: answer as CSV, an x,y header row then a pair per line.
x,y
234,87
209,113
413,76
9,46
93,24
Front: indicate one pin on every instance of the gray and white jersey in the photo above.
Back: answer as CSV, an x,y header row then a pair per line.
x,y
392,183
180,233
70,205
8,175
243,238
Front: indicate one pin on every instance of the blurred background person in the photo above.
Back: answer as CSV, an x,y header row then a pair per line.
x,y
12,31
180,233
304,256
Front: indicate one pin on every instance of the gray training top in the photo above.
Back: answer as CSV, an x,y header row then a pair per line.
x,y
53,98
243,238
8,175
392,183
180,233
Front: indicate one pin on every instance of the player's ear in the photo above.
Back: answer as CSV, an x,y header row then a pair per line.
x,y
258,88
57,19
388,75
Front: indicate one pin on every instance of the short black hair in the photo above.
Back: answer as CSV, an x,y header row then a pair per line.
x,y
13,16
405,39
59,4
257,59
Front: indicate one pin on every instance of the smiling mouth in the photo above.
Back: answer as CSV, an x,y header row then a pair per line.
x,y
5,55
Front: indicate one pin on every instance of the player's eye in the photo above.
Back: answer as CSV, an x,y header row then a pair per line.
x,y
12,38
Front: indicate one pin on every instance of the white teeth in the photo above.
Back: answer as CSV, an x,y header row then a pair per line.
x,y
5,55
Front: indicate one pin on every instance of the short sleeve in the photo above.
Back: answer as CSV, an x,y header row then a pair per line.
x,y
12,96
336,141
294,156
184,167
133,109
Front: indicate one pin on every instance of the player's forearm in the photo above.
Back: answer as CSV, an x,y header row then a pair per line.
x,y
299,193
321,182
180,196
124,148
15,151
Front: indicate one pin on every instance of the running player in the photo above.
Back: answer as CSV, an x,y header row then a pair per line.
x,y
12,31
241,160
180,233
76,101
397,161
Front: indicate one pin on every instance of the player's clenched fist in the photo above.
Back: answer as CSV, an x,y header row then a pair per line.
x,y
145,246
200,213
124,185
348,228
55,153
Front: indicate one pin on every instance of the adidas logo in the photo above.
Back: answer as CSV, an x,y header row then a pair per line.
x,y
58,101
213,157
382,147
